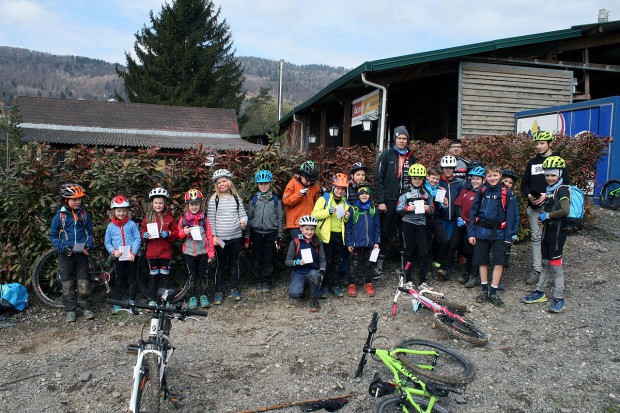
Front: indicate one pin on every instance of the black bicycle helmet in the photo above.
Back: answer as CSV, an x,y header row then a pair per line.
x,y
309,171
358,166
510,174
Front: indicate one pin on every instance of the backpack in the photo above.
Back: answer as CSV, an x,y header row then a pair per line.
x,y
255,199
298,246
577,206
63,218
13,297
504,195
357,213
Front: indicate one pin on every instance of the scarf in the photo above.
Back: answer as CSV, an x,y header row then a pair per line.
x,y
401,151
552,188
265,196
120,222
363,206
194,218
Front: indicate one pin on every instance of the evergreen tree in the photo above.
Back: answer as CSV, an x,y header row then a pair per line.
x,y
185,59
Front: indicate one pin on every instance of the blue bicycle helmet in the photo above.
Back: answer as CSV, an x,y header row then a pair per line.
x,y
263,176
477,171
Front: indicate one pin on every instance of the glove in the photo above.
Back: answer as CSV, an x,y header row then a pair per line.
x,y
164,234
322,271
67,251
331,209
460,222
543,216
145,235
297,262
246,242
303,191
278,244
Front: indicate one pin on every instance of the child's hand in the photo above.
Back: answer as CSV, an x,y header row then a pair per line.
x,y
377,246
242,224
131,257
347,214
246,242
445,202
332,209
186,230
427,209
164,234
350,249
303,191
460,222
472,240
67,251
117,253
382,207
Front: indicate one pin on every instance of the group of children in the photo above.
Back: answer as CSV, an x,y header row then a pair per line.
x,y
335,236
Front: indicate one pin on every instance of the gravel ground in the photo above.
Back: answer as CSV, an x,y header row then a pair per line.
x,y
268,349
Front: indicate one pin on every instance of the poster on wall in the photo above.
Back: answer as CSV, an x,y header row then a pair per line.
x,y
366,107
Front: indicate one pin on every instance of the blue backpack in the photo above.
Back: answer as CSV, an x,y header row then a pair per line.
x,y
577,206
13,297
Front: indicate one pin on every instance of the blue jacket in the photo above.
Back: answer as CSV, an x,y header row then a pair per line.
x,y
487,208
453,189
128,234
364,233
71,232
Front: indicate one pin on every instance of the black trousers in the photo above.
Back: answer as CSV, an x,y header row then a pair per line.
x,y
125,277
415,234
228,257
333,255
198,267
263,250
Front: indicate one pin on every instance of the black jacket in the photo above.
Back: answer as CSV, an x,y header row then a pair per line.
x,y
388,185
534,178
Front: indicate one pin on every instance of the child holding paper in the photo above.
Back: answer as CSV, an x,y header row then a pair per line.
x,y
195,229
437,236
415,206
452,186
122,240
159,232
363,236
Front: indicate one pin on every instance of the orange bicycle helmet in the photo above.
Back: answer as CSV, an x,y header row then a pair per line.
x,y
71,191
340,180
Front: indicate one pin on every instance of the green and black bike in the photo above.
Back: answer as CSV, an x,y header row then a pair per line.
x,y
610,195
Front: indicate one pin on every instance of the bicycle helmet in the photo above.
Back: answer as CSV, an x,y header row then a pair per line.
x,y
554,162
159,191
417,171
358,166
509,173
71,191
340,180
119,201
542,136
448,161
309,171
193,195
477,171
364,189
221,173
475,163
263,176
308,220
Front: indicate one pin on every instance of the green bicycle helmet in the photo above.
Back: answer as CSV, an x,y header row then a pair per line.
x,y
542,136
309,171
554,162
417,171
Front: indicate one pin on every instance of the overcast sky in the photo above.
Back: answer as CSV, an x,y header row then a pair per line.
x,y
334,32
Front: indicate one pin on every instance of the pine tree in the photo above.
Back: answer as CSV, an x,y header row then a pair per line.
x,y
185,59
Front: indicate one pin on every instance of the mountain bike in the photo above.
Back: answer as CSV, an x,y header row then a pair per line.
x,y
448,315
149,382
610,195
409,360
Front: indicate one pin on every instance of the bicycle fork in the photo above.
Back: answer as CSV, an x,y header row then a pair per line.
x,y
138,373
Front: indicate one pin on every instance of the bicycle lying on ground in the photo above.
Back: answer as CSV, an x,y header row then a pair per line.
x,y
149,385
409,360
610,195
448,315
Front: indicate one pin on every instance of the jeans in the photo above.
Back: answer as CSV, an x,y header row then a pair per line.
x,y
299,279
536,236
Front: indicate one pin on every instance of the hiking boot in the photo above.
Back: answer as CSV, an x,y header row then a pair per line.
x,y
323,293
204,301
472,282
337,291
370,289
464,278
266,287
88,314
234,293
557,306
496,301
535,297
442,274
315,307
70,316
116,309
352,291
484,296
378,274
532,278
219,298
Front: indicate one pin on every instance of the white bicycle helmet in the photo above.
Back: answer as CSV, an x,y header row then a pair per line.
x,y
159,191
119,202
448,161
308,220
221,173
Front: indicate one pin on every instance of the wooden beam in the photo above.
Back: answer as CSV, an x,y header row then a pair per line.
x,y
346,127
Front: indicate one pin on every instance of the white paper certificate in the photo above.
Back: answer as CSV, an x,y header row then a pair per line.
x,y
125,250
153,230
195,231
374,255
339,211
306,256
78,247
440,195
419,206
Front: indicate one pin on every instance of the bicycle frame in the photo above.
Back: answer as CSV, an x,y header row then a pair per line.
x,y
418,298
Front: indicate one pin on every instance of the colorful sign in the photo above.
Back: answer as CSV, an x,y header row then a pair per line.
x,y
366,107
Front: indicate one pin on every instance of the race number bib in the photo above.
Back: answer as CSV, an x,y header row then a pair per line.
x,y
537,169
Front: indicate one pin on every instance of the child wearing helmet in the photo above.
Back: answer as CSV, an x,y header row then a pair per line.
x,y
264,230
71,233
194,230
332,211
437,236
122,240
300,195
302,271
228,221
159,252
415,206
453,187
357,175
553,221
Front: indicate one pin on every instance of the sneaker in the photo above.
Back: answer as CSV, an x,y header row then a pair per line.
x,y
464,278
116,309
219,298
234,293
266,287
193,303
204,301
472,282
337,291
88,314
315,307
152,303
70,317
532,278
352,291
424,286
496,301
323,293
484,296
535,297
442,274
378,274
370,289
557,306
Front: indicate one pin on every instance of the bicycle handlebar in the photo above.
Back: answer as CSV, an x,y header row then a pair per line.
x,y
133,304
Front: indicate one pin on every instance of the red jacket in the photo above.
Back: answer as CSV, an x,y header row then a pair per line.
x,y
160,247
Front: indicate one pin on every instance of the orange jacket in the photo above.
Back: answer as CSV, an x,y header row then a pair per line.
x,y
298,205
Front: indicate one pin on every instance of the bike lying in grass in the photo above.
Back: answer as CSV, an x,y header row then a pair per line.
x,y
444,370
149,386
448,315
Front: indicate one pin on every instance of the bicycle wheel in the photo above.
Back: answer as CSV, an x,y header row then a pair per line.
x,y
150,391
610,195
45,281
179,275
441,364
463,330
455,307
393,404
